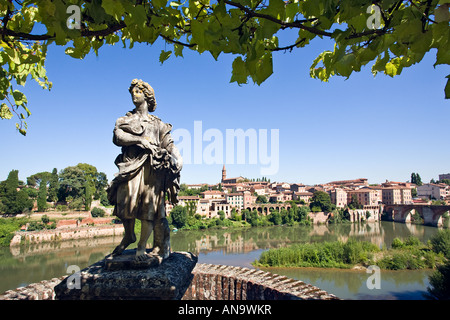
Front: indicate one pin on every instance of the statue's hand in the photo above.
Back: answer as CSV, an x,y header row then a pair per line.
x,y
174,164
148,145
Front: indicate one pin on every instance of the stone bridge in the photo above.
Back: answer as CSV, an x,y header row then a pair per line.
x,y
265,208
431,214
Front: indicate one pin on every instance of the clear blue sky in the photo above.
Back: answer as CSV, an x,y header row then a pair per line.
x,y
373,127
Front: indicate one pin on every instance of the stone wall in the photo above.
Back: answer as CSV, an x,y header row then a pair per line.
x,y
319,217
66,234
210,282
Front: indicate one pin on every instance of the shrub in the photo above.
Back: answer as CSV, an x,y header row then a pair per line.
x,y
413,241
35,226
439,283
397,243
45,219
7,228
324,254
97,212
440,242
61,207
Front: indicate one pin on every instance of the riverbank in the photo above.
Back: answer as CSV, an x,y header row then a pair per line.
x,y
408,254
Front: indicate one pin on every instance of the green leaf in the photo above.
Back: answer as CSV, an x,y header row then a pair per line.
x,y
19,97
198,34
5,113
442,56
380,63
113,8
178,49
264,69
345,65
160,3
239,72
393,67
164,56
276,9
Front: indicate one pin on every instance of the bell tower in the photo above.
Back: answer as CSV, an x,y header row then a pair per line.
x,y
224,173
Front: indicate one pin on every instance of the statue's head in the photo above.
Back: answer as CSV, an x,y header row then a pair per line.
x,y
147,90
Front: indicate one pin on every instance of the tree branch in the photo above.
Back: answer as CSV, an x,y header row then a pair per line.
x,y
189,45
41,37
283,24
291,47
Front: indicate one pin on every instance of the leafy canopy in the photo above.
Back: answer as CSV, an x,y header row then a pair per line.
x,y
391,34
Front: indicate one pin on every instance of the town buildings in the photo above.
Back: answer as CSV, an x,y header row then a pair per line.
x,y
396,195
240,193
435,191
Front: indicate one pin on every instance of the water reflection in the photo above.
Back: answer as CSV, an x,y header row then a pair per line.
x,y
27,264
242,241
350,284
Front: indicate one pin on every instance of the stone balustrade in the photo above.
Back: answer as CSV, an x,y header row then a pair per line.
x,y
210,282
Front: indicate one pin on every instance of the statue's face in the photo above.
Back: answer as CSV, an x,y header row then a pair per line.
x,y
138,96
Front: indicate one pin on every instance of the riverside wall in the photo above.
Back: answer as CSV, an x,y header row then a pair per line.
x,y
210,282
86,232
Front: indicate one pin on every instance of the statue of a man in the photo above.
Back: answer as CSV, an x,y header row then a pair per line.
x,y
149,169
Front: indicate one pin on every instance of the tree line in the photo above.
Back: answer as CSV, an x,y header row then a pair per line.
x,y
73,188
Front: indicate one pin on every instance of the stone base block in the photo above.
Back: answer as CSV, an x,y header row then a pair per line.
x,y
121,279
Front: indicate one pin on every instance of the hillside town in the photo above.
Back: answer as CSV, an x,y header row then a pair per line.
x,y
240,193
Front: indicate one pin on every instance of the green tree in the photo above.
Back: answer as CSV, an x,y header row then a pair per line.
x,y
35,179
354,203
440,242
179,216
275,217
71,183
322,200
251,217
87,196
439,288
42,196
9,192
416,179
53,186
191,208
261,199
302,213
390,34
73,179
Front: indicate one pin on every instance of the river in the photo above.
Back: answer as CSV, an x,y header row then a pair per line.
x,y
20,266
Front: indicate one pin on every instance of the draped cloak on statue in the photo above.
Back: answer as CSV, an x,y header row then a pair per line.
x,y
144,178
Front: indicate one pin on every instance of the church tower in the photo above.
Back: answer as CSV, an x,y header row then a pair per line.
x,y
224,173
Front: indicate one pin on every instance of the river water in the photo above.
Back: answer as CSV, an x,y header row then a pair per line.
x,y
20,266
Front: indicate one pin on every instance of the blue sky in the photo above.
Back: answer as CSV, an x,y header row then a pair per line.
x,y
373,127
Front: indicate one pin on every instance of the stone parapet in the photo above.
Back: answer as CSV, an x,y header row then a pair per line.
x,y
44,290
210,282
220,282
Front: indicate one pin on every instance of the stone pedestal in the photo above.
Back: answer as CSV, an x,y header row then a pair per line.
x,y
119,278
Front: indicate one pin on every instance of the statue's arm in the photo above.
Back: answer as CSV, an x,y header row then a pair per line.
x,y
122,138
177,160
169,145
